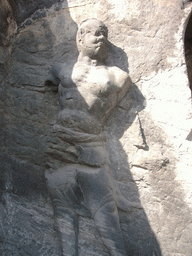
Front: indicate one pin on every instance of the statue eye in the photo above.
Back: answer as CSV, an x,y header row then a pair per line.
x,y
97,33
103,33
100,32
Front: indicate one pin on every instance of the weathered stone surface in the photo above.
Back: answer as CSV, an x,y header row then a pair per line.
x,y
148,149
88,94
26,221
13,13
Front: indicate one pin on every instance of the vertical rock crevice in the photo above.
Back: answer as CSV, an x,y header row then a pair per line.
x,y
188,49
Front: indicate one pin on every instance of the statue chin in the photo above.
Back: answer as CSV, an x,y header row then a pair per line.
x,y
101,54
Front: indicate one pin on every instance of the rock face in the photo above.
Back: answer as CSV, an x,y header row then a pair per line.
x,y
148,134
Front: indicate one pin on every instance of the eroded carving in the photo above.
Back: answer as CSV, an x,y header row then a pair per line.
x,y
81,186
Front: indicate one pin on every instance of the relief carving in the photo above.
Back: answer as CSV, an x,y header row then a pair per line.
x,y
81,186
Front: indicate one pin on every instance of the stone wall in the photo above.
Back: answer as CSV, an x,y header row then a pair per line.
x,y
149,139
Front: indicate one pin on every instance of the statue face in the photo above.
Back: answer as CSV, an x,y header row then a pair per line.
x,y
94,43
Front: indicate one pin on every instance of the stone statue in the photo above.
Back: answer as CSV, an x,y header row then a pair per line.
x,y
87,98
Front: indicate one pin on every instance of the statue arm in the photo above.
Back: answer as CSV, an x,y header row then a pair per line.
x,y
123,81
52,81
126,84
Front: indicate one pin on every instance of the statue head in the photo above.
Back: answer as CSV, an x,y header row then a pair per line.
x,y
92,39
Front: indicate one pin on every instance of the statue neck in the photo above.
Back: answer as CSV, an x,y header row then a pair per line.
x,y
88,61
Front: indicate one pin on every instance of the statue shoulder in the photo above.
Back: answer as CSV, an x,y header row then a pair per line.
x,y
121,77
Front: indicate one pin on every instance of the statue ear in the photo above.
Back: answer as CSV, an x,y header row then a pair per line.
x,y
80,41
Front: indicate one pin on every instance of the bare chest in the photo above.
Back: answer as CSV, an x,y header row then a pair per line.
x,y
98,81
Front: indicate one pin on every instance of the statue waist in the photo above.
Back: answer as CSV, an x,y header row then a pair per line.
x,y
79,121
72,136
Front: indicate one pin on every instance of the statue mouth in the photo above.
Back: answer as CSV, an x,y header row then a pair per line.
x,y
100,44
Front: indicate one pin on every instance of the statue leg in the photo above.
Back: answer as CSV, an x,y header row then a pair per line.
x,y
95,186
66,225
65,218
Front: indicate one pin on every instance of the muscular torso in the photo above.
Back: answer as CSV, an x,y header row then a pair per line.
x,y
89,95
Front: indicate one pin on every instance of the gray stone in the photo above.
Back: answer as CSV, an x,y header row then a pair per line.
x,y
88,95
148,39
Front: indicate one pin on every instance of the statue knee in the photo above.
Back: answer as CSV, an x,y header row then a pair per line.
x,y
107,208
110,207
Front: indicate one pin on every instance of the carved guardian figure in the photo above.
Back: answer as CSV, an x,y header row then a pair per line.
x,y
81,185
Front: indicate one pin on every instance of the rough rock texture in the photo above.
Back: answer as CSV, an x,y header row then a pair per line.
x,y
149,133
